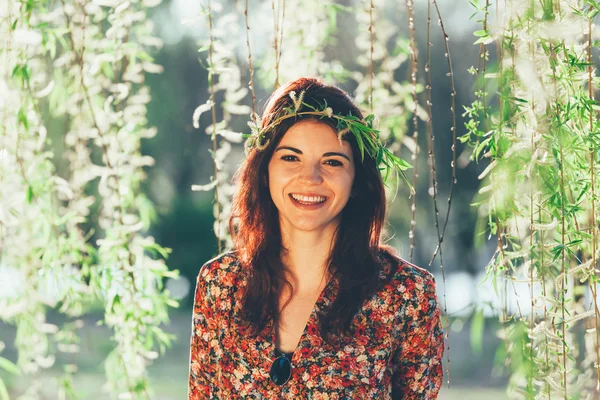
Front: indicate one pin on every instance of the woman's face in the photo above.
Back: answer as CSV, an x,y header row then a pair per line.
x,y
310,177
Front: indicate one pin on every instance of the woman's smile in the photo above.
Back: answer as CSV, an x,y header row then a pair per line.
x,y
310,177
308,203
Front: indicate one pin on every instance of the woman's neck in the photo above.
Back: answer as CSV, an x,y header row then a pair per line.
x,y
305,257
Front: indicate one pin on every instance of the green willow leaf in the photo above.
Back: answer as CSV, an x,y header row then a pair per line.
x,y
477,329
3,391
9,366
29,194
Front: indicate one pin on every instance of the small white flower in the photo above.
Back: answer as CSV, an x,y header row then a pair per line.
x,y
342,133
253,126
293,95
12,282
234,137
199,111
256,119
329,112
298,102
27,37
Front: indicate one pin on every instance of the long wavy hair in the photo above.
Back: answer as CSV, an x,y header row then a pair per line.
x,y
254,223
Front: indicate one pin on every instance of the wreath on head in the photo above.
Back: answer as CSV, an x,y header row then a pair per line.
x,y
367,137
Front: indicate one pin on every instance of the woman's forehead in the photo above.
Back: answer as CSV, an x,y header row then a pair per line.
x,y
314,134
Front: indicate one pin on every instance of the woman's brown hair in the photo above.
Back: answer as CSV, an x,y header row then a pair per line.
x,y
254,223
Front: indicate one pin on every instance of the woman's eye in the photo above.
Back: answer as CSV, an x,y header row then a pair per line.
x,y
334,163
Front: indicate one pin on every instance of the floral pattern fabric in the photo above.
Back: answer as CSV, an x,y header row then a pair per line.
x,y
394,350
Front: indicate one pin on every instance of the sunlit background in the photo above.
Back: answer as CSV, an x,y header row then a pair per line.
x,y
185,218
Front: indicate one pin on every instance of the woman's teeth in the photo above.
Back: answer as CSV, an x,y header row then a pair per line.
x,y
308,200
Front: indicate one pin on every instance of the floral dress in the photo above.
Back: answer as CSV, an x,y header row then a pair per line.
x,y
394,351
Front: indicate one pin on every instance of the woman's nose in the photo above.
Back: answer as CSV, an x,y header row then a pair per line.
x,y
311,173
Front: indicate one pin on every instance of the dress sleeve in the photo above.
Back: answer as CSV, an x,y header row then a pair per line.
x,y
417,371
201,369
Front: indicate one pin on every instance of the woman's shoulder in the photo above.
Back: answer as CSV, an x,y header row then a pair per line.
x,y
409,290
400,273
221,269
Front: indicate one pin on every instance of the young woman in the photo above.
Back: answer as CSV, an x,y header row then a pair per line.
x,y
310,304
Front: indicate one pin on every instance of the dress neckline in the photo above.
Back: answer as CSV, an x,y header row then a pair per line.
x,y
280,353
323,296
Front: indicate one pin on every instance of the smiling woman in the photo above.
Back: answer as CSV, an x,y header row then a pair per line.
x,y
309,303
310,179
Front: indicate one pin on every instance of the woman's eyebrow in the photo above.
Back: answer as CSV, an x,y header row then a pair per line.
x,y
298,151
334,153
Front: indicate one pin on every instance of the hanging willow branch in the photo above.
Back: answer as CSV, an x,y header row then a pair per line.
x,y
223,63
251,70
414,157
433,174
562,291
278,21
537,145
530,377
593,148
101,97
213,109
371,47
453,180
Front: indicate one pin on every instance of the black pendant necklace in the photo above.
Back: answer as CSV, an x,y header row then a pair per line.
x,y
281,369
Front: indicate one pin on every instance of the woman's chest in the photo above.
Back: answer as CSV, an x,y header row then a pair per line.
x,y
352,366
293,322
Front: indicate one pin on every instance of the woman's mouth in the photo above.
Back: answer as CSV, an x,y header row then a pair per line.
x,y
307,202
